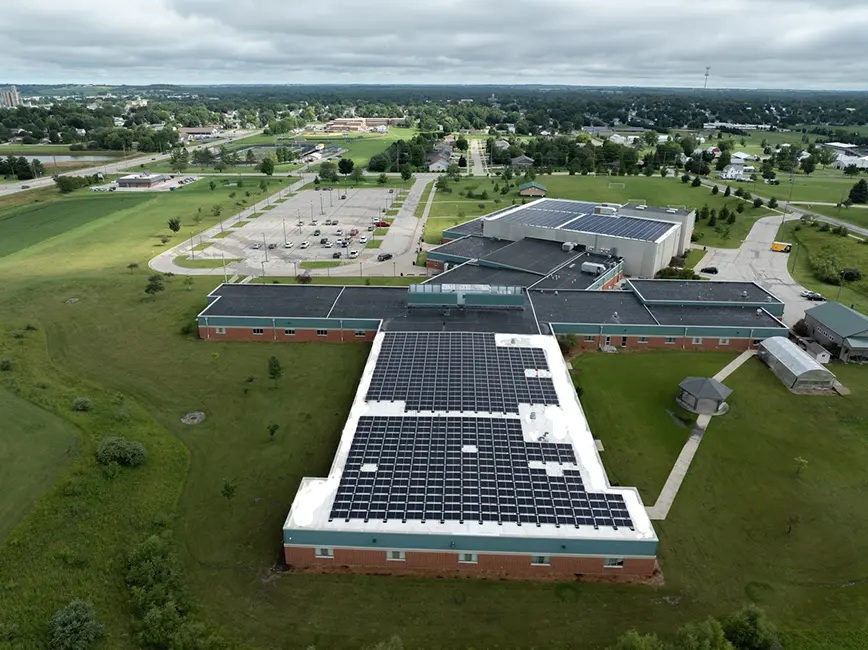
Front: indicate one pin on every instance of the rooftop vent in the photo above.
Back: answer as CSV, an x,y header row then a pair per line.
x,y
671,211
759,312
744,294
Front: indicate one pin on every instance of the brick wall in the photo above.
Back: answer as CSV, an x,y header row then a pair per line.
x,y
433,264
502,565
659,342
271,335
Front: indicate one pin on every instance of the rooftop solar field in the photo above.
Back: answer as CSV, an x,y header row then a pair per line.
x,y
629,227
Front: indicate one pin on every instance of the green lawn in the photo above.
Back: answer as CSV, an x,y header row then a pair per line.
x,y
853,215
268,207
435,226
810,241
374,243
55,149
694,256
820,186
381,232
203,245
187,262
35,447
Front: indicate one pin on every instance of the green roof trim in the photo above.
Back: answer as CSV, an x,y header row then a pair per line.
x,y
843,321
532,184
856,343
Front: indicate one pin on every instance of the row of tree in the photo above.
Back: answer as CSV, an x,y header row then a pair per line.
x,y
21,168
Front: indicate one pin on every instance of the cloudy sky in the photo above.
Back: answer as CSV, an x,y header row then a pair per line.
x,y
818,44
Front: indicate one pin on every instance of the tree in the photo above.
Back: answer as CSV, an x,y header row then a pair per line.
x,y
212,185
750,629
801,464
731,218
712,220
228,489
707,635
275,371
851,170
267,166
382,179
808,166
188,282
696,182
724,160
663,172
851,273
461,143
179,159
715,190
773,203
462,161
826,156
250,157
272,429
685,178
75,627
217,210
263,185
358,175
453,172
859,192
132,266
739,208
442,183
345,166
116,449
155,285
406,174
175,224
632,640
727,191
757,202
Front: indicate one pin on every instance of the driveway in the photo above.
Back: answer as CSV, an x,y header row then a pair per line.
x,y
755,261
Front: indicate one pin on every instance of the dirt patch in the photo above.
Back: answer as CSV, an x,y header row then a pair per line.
x,y
193,417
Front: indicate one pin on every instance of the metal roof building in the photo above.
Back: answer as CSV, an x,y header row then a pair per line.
x,y
793,366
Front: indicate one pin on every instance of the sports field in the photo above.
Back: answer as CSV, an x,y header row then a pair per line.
x,y
724,544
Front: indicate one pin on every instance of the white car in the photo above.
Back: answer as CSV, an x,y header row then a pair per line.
x,y
288,244
354,254
328,244
339,232
305,244
363,240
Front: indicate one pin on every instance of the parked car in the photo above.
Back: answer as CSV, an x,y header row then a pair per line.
x,y
329,188
815,297
256,246
354,254
323,240
382,224
354,232
343,197
328,222
371,229
363,240
328,244
305,244
314,222
382,257
271,247
317,232
710,270
288,244
336,255
391,191
339,232
25,187
316,187
344,243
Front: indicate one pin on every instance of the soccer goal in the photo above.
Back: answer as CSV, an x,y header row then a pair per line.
x,y
637,201
619,186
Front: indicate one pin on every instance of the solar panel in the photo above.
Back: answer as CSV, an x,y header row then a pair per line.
x,y
549,217
458,371
629,227
466,469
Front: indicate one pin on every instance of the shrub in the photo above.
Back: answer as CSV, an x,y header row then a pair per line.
x,y
685,178
189,328
128,453
773,203
30,327
824,227
304,278
5,365
750,629
82,404
715,189
18,334
757,202
75,627
696,182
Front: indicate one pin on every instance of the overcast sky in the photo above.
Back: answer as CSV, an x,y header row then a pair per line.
x,y
819,44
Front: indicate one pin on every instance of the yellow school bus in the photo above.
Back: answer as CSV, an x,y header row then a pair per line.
x,y
781,247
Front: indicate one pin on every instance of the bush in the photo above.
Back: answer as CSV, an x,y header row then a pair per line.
x,y
128,453
757,202
685,178
189,328
75,627
824,227
750,629
773,203
567,343
5,365
696,182
82,404
304,278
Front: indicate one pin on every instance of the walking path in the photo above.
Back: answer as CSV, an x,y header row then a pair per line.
x,y
660,510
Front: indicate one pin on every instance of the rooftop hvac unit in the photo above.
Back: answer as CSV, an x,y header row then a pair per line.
x,y
589,249
604,251
605,210
671,211
593,267
567,247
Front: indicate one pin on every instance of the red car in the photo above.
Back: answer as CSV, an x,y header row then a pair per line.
x,y
382,224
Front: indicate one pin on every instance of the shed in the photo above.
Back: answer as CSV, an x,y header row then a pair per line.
x,y
703,395
793,366
532,189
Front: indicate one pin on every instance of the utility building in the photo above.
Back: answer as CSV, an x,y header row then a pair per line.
x,y
793,366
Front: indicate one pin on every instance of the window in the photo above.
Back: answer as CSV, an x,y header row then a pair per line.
x,y
467,558
670,340
642,339
697,340
360,334
219,330
258,331
289,332
322,332
590,339
608,340
723,342
325,552
613,563
396,556
540,560
623,341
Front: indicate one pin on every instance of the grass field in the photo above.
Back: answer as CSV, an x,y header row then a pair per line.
x,y
35,447
319,264
723,544
693,257
374,243
53,150
849,251
852,215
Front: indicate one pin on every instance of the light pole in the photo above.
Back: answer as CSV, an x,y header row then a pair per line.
x,y
223,257
263,269
284,231
840,286
265,247
321,211
394,270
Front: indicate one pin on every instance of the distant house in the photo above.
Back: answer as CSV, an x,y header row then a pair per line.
x,y
531,189
662,139
840,328
501,144
438,164
521,162
617,138
734,172
596,143
713,151
449,138
741,155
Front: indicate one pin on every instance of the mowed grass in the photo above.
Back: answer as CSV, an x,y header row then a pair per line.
x,y
857,216
35,447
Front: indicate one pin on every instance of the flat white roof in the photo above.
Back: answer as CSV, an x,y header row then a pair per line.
x,y
562,423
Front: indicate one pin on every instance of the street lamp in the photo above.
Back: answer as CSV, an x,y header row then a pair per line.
x,y
265,247
284,231
263,269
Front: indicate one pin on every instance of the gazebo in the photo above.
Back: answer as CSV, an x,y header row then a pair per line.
x,y
703,396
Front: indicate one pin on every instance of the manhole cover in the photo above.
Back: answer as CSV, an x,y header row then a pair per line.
x,y
194,417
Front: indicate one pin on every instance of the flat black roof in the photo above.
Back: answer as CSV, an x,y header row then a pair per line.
x,y
702,290
604,307
467,228
431,319
712,316
473,274
275,300
472,247
532,255
370,302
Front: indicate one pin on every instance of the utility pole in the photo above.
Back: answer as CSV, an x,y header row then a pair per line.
x,y
192,250
284,231
707,71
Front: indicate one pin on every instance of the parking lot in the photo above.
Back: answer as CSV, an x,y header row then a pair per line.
x,y
280,239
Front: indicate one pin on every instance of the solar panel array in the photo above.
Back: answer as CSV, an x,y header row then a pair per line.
x,y
549,213
632,228
466,469
458,371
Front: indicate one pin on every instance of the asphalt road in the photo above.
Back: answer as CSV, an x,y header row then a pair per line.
x,y
114,167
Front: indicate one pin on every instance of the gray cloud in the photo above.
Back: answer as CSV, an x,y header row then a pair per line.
x,y
748,43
